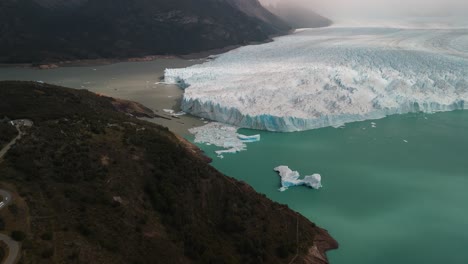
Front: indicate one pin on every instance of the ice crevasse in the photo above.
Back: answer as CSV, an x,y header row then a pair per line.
x,y
328,77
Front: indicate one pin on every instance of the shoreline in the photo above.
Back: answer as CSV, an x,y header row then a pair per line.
x,y
166,97
133,81
48,65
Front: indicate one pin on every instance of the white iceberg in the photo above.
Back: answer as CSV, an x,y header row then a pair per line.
x,y
224,136
173,113
244,138
329,77
291,178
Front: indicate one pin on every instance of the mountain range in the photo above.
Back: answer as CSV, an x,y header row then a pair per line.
x,y
38,31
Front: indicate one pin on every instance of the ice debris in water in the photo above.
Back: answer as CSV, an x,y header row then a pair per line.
x,y
173,113
224,136
291,178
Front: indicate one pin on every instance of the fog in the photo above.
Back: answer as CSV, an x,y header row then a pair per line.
x,y
381,8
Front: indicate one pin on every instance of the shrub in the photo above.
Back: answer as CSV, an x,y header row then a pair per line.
x,y
18,235
47,253
47,236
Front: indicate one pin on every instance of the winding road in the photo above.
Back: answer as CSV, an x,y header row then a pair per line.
x,y
13,246
4,150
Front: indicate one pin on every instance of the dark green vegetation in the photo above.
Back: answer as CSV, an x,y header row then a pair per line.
x,y
2,253
7,133
18,235
103,187
60,30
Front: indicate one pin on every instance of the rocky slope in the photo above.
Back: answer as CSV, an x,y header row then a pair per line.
x,y
60,30
104,187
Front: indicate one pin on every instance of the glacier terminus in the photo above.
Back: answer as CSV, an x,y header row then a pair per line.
x,y
331,76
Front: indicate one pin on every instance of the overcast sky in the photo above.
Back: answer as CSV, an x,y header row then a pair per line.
x,y
386,8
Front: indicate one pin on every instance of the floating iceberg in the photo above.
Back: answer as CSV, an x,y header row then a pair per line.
x,y
291,178
329,77
244,138
224,136
173,113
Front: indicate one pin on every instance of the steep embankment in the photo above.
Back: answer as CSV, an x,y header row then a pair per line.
x,y
103,187
59,30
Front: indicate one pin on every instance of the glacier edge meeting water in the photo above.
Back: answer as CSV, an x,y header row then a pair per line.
x,y
329,77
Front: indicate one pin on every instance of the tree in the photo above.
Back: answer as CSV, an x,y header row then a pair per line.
x,y
18,235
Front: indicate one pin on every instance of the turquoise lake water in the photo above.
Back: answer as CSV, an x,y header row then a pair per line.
x,y
384,200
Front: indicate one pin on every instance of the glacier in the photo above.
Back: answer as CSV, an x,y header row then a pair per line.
x,y
291,178
330,76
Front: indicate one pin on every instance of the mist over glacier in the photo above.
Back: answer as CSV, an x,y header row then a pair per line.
x,y
331,76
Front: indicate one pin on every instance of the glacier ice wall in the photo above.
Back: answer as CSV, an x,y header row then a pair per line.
x,y
291,178
329,77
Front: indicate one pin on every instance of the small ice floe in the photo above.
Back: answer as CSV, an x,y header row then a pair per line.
x,y
173,113
221,135
291,178
244,138
181,113
161,83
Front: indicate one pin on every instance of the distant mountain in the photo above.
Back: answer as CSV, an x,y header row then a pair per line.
x,y
95,185
299,16
58,30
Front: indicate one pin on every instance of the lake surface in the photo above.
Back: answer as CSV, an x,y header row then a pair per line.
x,y
385,200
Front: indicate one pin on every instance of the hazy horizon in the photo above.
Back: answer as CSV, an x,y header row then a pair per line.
x,y
359,9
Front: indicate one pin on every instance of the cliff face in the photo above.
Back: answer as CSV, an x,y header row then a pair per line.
x,y
104,187
58,30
